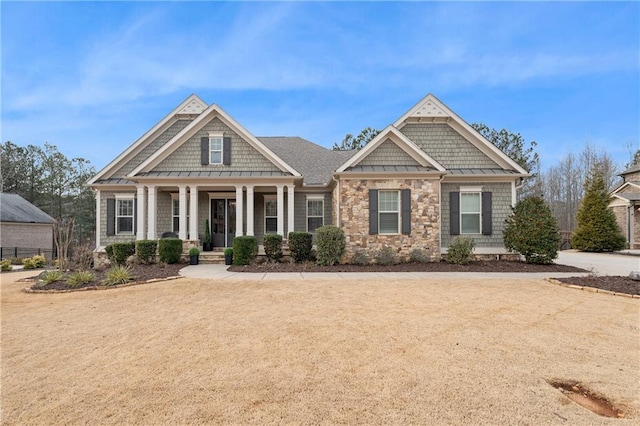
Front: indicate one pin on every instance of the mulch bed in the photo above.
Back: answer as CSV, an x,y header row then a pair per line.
x,y
140,273
616,284
479,266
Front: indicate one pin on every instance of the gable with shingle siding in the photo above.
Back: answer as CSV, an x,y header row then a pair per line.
x,y
388,153
447,146
244,157
145,153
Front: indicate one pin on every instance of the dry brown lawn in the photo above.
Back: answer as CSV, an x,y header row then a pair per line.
x,y
390,351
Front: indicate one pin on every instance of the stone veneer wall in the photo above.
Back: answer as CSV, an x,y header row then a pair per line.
x,y
425,206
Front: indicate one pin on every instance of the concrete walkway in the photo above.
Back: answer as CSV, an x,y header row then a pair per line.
x,y
219,272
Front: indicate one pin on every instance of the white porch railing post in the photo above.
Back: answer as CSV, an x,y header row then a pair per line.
x,y
193,213
239,213
182,218
142,202
280,200
250,217
151,210
290,206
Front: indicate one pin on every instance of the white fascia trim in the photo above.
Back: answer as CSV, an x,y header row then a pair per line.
x,y
458,124
315,196
404,143
125,196
623,186
618,201
210,113
143,140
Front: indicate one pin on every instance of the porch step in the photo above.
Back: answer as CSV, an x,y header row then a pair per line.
x,y
212,257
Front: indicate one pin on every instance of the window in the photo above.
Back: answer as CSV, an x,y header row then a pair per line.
x,y
175,214
270,215
215,150
470,212
388,211
124,216
315,214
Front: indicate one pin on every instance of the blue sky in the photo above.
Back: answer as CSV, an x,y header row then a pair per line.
x,y
92,77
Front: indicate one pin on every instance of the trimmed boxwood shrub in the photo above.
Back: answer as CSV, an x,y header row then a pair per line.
x,y
170,250
245,250
300,245
273,247
331,243
120,252
146,250
386,256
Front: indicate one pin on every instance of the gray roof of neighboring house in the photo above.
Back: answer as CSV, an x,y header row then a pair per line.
x,y
315,163
14,208
634,168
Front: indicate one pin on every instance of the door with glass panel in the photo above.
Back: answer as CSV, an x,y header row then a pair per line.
x,y
223,222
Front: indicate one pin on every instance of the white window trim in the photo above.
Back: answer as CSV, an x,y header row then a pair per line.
x,y
176,196
216,135
388,211
314,198
119,198
468,190
270,198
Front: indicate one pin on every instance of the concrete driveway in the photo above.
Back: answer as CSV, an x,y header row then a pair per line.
x,y
600,263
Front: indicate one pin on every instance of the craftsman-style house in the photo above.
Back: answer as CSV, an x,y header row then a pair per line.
x,y
424,179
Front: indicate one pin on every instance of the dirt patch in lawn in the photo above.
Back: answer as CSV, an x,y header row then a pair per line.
x,y
480,266
583,396
614,283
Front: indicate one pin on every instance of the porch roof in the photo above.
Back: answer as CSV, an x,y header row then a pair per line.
x,y
389,169
213,173
482,172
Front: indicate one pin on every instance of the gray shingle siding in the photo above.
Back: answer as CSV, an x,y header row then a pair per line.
x,y
447,146
104,239
501,208
244,157
388,153
150,149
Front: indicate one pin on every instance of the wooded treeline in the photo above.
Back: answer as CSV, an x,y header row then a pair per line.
x,y
49,180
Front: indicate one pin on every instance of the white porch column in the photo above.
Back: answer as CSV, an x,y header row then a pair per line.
x,y
98,216
151,210
250,218
141,199
239,206
290,203
182,218
280,201
193,213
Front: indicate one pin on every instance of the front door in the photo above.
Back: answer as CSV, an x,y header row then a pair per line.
x,y
223,222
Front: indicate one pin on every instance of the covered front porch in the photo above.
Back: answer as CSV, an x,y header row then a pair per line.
x,y
248,207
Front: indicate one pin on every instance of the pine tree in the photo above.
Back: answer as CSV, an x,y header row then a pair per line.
x,y
597,228
532,231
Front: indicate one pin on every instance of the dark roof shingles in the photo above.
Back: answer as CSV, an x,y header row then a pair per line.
x,y
14,208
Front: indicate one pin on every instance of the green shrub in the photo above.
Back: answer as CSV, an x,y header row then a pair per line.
x,y
170,250
48,277
79,278
194,251
16,260
5,265
228,251
532,231
597,228
118,275
386,256
120,252
330,243
245,250
360,257
109,250
300,245
419,256
146,250
28,263
273,247
460,250
39,261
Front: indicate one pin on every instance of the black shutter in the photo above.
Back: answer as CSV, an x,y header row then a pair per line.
x,y
486,214
454,213
204,151
405,196
226,151
111,216
373,211
135,215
